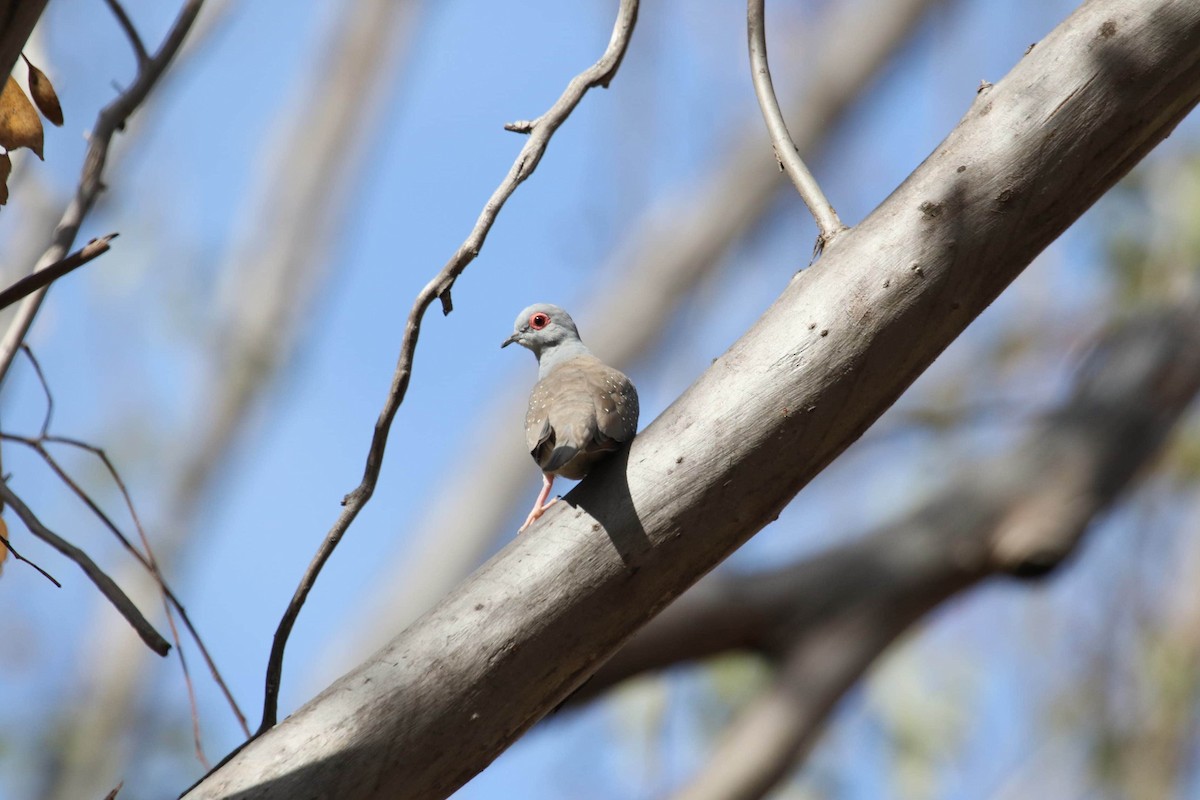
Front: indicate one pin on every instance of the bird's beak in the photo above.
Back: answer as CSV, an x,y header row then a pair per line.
x,y
508,341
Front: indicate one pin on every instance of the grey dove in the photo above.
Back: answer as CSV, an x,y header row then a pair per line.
x,y
580,410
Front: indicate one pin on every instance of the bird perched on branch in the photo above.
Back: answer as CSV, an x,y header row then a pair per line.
x,y
580,410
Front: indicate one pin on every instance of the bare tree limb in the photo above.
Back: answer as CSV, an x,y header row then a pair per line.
x,y
8,546
830,617
147,560
652,270
828,224
838,346
135,38
42,278
541,129
104,583
111,119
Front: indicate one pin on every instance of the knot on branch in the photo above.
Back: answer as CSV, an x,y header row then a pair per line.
x,y
1038,535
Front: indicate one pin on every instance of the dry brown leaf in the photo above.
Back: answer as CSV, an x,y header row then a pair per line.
x,y
43,94
3,549
5,171
20,125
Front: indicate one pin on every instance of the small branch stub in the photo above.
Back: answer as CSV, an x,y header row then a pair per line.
x,y
521,126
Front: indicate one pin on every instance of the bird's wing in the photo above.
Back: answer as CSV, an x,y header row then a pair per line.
x,y
538,432
616,404
583,406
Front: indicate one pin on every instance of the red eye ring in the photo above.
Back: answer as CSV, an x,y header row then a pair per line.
x,y
539,321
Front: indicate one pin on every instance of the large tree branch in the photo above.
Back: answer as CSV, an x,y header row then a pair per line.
x,y
840,344
1022,513
664,256
828,618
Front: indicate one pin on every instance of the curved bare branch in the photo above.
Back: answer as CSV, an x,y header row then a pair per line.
x,y
828,224
540,131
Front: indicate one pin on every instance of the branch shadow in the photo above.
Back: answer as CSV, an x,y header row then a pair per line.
x,y
604,495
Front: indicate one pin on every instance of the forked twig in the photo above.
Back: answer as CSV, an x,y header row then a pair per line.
x,y
197,739
828,224
540,130
147,560
8,546
105,584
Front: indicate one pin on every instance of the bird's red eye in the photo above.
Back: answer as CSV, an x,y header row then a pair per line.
x,y
539,321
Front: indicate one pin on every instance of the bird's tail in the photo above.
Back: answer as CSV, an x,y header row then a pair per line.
x,y
559,456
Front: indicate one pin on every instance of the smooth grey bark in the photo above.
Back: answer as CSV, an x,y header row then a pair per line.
x,y
825,620
1021,513
846,337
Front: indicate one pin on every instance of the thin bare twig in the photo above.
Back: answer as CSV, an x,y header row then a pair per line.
x,y
170,600
152,566
105,584
41,376
135,39
540,131
297,208
8,546
42,278
147,560
110,120
828,224
197,739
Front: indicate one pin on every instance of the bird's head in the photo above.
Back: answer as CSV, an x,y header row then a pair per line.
x,y
542,327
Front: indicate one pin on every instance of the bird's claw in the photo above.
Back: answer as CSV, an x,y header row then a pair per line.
x,y
536,514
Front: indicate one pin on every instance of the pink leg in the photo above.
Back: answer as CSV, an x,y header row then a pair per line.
x,y
540,505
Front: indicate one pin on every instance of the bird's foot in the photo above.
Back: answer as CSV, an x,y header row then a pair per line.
x,y
534,515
